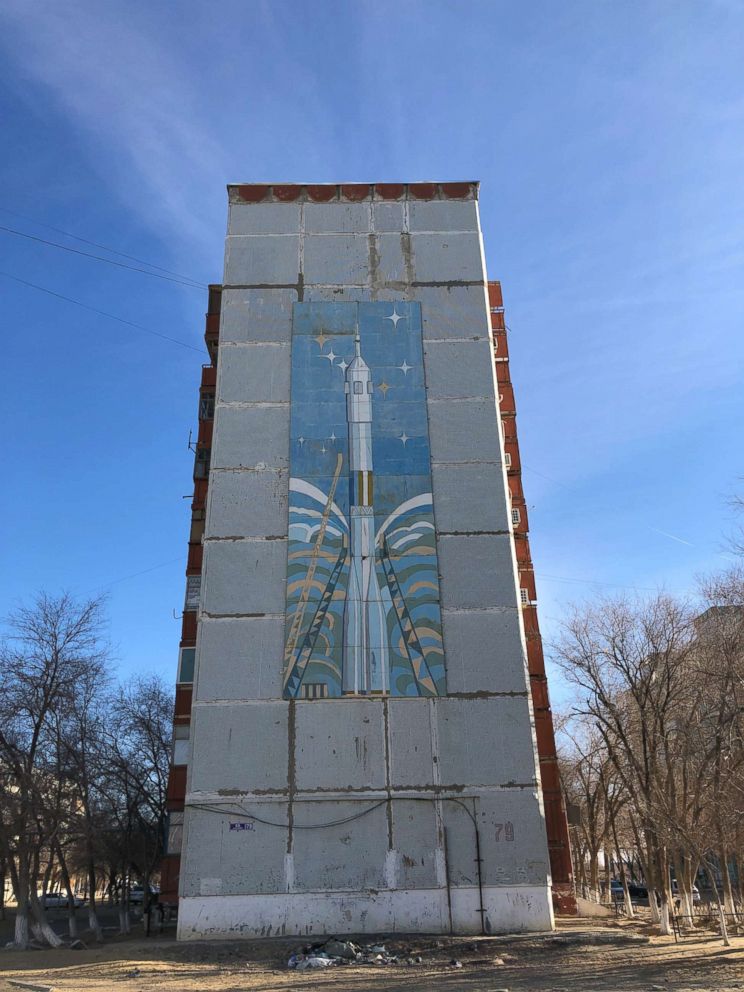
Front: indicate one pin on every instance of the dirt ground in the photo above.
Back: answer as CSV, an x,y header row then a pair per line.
x,y
580,956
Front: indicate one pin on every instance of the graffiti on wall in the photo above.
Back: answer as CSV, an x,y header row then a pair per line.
x,y
363,614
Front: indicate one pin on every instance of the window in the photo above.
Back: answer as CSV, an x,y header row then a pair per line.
x,y
524,597
370,387
206,406
186,666
358,387
201,463
516,516
507,459
197,526
175,832
314,690
193,591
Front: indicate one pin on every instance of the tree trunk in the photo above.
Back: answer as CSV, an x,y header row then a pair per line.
x,y
71,917
721,914
594,876
41,925
93,921
21,922
728,894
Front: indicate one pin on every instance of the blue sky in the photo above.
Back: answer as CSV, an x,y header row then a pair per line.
x,y
609,141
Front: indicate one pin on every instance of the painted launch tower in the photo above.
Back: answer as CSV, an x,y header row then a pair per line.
x,y
366,667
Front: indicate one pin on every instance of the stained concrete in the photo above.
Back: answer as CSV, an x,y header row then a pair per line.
x,y
239,658
259,370
257,315
251,437
248,503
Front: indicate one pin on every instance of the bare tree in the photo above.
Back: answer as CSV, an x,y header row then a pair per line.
x,y
50,644
626,660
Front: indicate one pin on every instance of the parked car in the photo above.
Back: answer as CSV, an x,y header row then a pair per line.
x,y
695,892
58,900
137,894
637,891
616,889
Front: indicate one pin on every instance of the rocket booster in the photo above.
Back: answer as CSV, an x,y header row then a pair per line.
x,y
366,658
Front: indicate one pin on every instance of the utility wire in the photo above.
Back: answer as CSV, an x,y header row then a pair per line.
x,y
590,582
102,313
134,575
95,244
100,258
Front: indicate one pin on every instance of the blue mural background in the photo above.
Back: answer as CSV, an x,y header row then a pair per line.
x,y
319,538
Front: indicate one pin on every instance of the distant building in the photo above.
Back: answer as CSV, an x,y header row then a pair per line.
x,y
363,734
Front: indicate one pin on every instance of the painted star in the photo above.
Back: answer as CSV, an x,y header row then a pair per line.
x,y
323,450
300,441
330,356
404,437
383,387
332,437
343,365
405,367
321,339
395,317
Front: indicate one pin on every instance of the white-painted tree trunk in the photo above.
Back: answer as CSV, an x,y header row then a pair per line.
x,y
21,930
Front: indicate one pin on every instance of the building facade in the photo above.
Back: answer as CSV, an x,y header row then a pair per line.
x,y
363,733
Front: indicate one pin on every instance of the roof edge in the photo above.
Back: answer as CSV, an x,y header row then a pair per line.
x,y
248,193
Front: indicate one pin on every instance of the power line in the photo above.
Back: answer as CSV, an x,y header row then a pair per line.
x,y
590,582
102,313
100,258
95,244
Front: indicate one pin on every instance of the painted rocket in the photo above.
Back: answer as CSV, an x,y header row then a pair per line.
x,y
366,666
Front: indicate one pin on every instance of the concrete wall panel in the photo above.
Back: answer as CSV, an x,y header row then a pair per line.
x,y
487,557
336,259
347,856
223,857
248,504
417,845
244,748
459,369
256,315
390,217
469,497
251,437
258,373
340,745
411,757
239,659
244,577
464,431
393,259
270,260
447,257
484,651
512,834
454,312
337,218
443,215
485,742
264,218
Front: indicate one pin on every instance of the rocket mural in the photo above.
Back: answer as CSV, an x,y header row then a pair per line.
x,y
365,667
363,614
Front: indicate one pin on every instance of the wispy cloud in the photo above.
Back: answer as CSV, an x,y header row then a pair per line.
x,y
130,99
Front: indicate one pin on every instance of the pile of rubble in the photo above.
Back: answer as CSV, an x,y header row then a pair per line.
x,y
335,952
